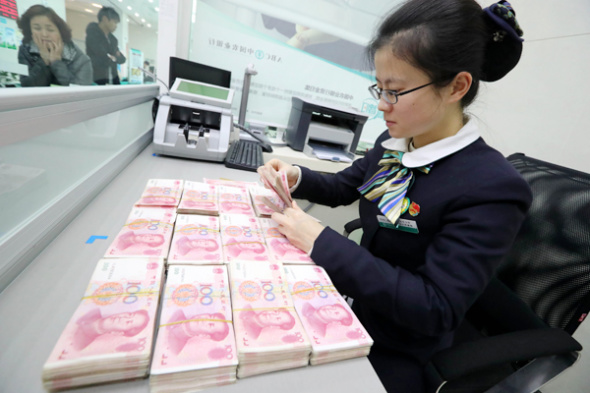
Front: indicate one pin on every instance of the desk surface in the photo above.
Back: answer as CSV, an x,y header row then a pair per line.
x,y
291,156
36,307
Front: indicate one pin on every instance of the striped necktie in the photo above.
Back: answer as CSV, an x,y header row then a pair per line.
x,y
390,183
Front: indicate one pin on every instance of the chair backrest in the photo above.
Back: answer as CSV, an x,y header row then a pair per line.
x,y
549,265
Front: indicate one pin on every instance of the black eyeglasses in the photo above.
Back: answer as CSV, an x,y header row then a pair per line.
x,y
391,96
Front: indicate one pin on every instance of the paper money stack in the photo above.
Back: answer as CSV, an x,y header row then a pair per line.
x,y
242,238
147,232
269,334
110,335
196,241
196,346
265,201
235,200
334,330
161,192
279,246
276,182
199,198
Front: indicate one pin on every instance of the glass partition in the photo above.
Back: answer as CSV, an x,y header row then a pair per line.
x,y
63,42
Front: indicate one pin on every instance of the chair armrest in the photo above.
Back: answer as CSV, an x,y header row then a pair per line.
x,y
351,226
466,358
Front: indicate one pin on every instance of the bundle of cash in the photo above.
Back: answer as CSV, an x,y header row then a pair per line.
x,y
147,232
235,200
242,238
199,198
161,192
196,240
196,346
265,201
269,334
279,246
110,335
276,181
334,330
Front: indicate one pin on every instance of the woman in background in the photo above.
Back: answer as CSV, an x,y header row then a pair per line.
x,y
49,52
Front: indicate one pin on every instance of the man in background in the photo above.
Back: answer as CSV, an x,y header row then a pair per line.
x,y
102,47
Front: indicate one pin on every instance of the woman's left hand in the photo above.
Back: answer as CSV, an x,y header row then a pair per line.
x,y
299,227
55,51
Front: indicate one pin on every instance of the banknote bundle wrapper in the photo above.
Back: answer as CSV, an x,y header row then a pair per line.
x,y
147,232
332,327
280,248
199,198
196,241
196,346
110,335
161,192
269,334
242,238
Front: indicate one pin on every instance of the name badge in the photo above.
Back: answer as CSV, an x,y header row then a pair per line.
x,y
401,224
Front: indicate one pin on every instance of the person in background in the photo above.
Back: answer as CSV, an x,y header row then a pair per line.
x,y
439,208
103,48
146,77
49,52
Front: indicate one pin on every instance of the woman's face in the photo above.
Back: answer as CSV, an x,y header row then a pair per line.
x,y
420,114
45,29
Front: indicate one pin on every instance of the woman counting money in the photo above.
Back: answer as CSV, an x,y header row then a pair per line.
x,y
439,207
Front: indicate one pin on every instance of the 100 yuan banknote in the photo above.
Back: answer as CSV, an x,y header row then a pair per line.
x,y
242,238
161,192
196,240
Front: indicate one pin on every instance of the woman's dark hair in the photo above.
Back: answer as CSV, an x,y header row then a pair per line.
x,y
443,38
109,13
24,23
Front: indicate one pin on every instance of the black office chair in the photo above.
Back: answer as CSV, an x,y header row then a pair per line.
x,y
517,336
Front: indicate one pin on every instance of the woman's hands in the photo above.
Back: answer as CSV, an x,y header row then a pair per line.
x,y
50,51
299,227
291,171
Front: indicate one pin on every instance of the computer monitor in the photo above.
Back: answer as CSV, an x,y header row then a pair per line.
x,y
203,93
185,69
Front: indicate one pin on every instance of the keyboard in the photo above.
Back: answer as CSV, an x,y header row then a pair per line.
x,y
245,155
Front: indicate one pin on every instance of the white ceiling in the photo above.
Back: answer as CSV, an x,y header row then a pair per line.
x,y
142,12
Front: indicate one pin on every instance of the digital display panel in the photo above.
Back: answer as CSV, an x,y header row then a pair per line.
x,y
8,9
203,90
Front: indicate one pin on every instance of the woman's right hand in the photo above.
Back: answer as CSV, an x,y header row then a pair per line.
x,y
43,50
292,172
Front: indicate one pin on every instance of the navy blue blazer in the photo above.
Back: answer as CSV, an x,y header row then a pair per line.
x,y
411,290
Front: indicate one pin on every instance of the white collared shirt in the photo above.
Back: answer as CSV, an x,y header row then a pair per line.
x,y
434,151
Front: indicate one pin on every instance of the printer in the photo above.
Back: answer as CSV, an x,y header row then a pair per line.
x,y
315,126
195,121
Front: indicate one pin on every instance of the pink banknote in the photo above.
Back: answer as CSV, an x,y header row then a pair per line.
x,y
279,246
196,330
231,183
242,238
147,232
235,200
114,323
262,209
199,198
327,318
161,192
196,240
264,317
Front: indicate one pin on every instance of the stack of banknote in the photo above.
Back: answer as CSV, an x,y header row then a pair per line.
x,y
231,183
161,192
265,201
147,232
242,238
196,346
235,200
279,246
277,182
333,329
110,335
196,240
269,334
199,198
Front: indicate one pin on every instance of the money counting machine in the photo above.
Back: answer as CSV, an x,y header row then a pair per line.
x,y
195,121
324,130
